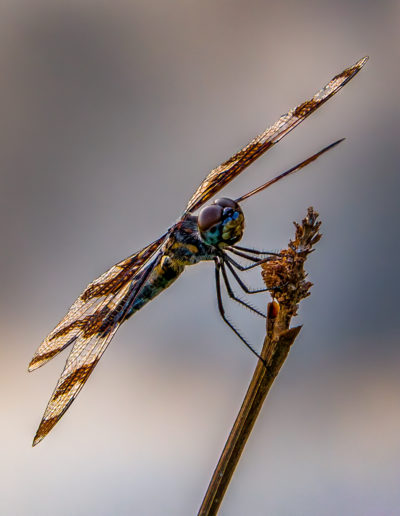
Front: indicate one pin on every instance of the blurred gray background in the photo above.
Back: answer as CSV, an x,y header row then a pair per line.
x,y
111,115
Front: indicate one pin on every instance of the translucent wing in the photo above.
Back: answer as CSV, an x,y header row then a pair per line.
x,y
95,298
223,174
90,325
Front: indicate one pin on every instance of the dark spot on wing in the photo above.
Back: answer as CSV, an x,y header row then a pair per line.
x,y
44,428
44,356
78,375
305,108
47,424
112,286
128,270
90,324
346,73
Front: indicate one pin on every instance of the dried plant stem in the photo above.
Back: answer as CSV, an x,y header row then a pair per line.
x,y
251,406
286,276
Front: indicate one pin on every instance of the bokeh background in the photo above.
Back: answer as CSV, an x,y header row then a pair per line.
x,y
111,115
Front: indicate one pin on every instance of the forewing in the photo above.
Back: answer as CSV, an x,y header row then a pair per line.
x,y
227,171
88,310
88,348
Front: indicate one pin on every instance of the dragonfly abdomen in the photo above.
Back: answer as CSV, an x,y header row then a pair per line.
x,y
165,272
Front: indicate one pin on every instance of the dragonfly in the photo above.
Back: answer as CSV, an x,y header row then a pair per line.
x,y
211,235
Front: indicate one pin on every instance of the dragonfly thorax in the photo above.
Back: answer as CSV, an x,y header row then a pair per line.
x,y
221,223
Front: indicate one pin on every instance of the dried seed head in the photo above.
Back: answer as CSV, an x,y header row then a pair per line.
x,y
285,275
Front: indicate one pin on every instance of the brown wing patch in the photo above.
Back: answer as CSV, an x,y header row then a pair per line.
x,y
44,428
123,271
89,324
304,109
223,174
44,357
76,376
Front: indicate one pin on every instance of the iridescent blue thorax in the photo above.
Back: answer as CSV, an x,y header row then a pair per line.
x,y
185,246
192,240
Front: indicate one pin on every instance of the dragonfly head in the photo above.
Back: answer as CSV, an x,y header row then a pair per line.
x,y
221,223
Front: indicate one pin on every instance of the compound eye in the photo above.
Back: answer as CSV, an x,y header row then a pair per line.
x,y
224,202
209,216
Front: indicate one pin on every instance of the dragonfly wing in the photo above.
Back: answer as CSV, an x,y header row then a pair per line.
x,y
88,348
90,326
83,358
228,170
86,313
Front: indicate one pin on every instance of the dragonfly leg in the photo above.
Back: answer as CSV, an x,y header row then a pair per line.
x,y
245,252
222,311
232,295
243,268
243,255
242,284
